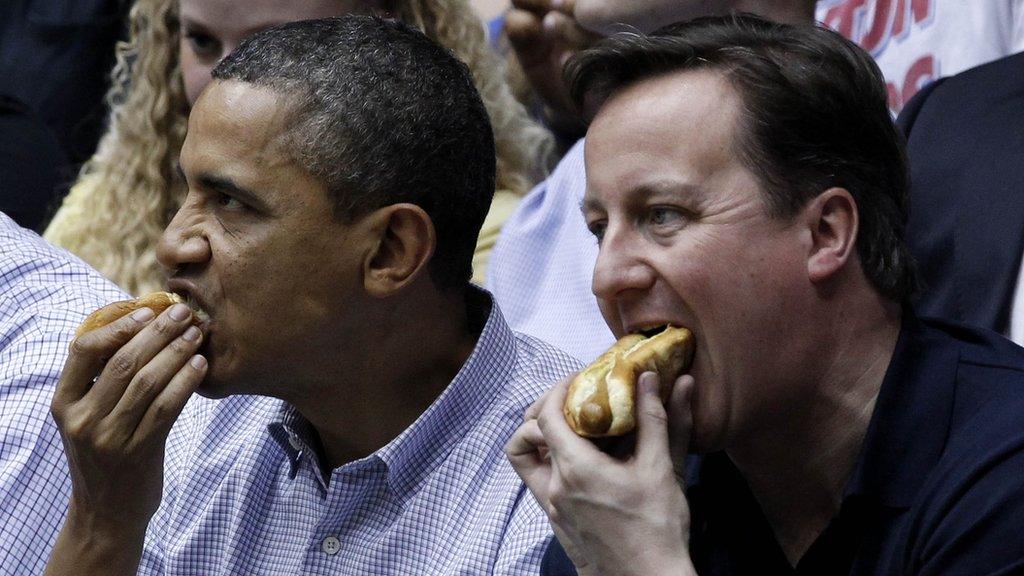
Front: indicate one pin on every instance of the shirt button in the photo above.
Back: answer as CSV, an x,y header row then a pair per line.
x,y
331,545
293,439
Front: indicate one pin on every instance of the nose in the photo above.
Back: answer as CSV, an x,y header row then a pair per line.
x,y
184,241
621,267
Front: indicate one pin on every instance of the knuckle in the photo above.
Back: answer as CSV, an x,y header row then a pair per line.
x,y
163,326
144,384
76,426
122,365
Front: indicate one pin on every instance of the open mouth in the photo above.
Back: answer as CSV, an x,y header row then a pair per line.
x,y
652,331
202,315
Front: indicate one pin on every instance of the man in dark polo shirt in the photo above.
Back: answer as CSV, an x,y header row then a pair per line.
x,y
745,180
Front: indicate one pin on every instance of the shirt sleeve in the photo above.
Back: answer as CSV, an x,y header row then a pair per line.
x,y
525,540
34,482
975,526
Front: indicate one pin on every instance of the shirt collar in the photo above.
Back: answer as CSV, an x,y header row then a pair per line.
x,y
908,428
421,446
912,416
484,376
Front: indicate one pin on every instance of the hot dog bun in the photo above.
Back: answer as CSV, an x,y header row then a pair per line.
x,y
157,302
600,401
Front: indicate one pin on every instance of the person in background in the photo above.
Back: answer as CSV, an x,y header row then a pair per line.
x,y
543,262
365,386
917,41
745,180
128,190
965,142
55,57
45,293
33,165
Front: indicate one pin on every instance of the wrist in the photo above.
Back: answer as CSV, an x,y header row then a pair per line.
x,y
90,544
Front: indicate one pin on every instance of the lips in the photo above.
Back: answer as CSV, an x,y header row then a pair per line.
x,y
189,292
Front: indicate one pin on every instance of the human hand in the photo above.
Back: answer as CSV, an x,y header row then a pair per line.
x,y
612,516
544,35
114,428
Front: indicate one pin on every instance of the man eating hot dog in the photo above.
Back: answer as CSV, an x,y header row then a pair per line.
x,y
338,174
744,180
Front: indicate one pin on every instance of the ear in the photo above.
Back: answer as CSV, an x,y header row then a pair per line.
x,y
833,222
405,241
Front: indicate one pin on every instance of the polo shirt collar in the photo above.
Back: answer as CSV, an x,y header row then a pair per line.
x,y
911,419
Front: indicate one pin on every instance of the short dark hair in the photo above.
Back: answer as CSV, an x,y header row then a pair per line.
x,y
382,115
814,117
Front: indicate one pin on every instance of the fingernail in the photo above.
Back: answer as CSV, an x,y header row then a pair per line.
x,y
198,362
191,334
649,382
179,312
142,315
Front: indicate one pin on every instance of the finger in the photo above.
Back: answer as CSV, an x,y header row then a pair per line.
x,y
526,452
526,35
153,378
651,421
680,420
126,362
562,30
90,351
168,404
562,442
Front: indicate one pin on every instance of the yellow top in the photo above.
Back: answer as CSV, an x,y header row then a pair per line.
x,y
502,206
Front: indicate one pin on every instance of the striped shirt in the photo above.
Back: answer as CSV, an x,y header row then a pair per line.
x,y
45,293
244,492
542,266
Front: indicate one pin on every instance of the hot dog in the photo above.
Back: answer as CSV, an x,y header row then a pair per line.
x,y
156,301
600,401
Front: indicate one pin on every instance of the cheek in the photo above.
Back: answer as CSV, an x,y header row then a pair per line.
x,y
194,74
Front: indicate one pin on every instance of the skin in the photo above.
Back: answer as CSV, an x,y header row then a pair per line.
x,y
792,340
302,306
212,29
546,33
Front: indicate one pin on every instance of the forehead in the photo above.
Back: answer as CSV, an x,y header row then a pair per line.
x,y
236,124
243,17
674,128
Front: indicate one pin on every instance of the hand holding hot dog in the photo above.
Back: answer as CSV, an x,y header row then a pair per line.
x,y
122,388
613,516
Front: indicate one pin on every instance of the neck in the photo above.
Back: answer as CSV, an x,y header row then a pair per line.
x,y
788,11
798,463
409,353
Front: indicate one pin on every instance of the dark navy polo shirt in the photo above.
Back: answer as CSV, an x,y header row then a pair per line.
x,y
938,487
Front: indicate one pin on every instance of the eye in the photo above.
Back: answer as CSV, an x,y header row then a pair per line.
x,y
202,44
228,202
662,216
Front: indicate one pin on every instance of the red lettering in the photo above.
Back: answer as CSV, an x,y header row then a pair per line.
x,y
920,73
922,9
894,96
841,17
881,27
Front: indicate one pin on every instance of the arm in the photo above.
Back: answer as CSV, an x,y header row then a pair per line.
x,y
613,516
114,431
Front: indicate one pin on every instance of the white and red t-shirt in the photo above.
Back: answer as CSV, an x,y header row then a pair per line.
x,y
917,41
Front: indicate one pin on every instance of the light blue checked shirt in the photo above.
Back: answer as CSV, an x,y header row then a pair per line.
x,y
542,266
244,493
45,293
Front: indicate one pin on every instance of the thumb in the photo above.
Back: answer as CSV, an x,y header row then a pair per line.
x,y
680,422
651,420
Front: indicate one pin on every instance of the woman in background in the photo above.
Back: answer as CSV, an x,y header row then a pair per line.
x,y
127,193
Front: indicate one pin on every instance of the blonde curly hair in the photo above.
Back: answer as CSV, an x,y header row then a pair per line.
x,y
128,191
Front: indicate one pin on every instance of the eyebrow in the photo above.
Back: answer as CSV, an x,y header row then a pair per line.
x,y
225,185
656,189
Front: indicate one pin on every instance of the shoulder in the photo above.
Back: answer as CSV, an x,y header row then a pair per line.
x,y
970,513
541,364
